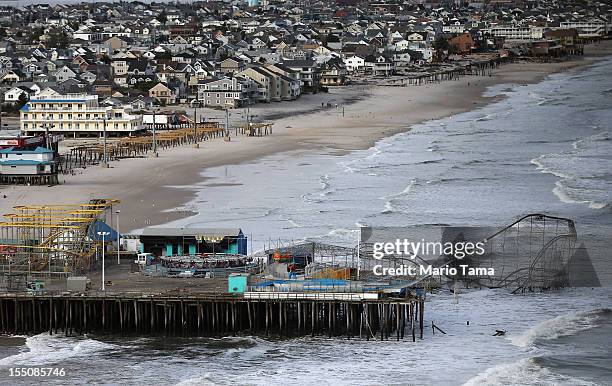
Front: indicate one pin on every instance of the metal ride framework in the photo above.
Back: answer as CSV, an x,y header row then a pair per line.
x,y
51,239
532,253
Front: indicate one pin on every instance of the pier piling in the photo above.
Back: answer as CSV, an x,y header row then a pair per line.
x,y
205,315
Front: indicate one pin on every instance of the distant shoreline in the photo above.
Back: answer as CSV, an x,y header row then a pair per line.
x,y
151,190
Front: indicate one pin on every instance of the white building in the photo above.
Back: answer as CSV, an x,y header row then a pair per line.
x,y
354,64
12,96
588,28
516,32
76,115
27,162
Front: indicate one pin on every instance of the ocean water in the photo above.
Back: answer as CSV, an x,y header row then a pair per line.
x,y
559,338
544,148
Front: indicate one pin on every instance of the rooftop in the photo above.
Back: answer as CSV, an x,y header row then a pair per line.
x,y
190,232
38,150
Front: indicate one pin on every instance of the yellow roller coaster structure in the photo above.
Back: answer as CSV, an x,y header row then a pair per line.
x,y
52,239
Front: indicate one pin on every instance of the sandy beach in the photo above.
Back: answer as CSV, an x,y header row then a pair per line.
x,y
150,188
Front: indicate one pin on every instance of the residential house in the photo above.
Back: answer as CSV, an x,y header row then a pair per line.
x,y
309,73
19,162
354,64
163,94
333,72
461,44
15,94
64,73
227,92
262,80
379,65
231,66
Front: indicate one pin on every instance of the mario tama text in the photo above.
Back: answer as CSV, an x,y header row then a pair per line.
x,y
426,251
430,270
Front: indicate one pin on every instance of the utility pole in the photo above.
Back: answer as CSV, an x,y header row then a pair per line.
x,y
195,117
46,126
118,239
105,161
47,142
154,145
226,121
103,234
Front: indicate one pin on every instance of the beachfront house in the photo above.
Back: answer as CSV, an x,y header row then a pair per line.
x,y
28,166
227,92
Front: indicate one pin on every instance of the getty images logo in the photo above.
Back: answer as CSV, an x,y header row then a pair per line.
x,y
411,249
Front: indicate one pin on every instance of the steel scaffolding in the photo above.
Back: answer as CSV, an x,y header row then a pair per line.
x,y
51,239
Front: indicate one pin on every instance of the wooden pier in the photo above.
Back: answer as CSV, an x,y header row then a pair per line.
x,y
210,315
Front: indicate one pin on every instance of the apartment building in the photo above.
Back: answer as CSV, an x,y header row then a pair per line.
x,y
227,92
587,28
76,115
516,32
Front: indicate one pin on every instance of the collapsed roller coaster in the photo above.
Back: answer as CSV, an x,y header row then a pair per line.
x,y
531,253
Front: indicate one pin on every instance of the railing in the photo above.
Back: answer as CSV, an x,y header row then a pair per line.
x,y
311,296
64,97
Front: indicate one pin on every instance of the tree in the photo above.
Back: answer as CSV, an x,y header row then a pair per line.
x,y
441,43
162,17
22,100
144,86
57,39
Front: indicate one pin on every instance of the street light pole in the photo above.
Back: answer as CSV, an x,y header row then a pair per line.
x,y
154,148
105,162
118,239
103,234
226,122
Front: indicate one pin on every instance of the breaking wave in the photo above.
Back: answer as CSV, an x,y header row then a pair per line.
x,y
44,349
524,372
560,326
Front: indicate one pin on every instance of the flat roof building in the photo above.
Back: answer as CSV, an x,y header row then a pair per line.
x,y
76,115
36,166
192,241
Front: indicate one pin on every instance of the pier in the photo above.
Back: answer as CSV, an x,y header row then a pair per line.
x,y
283,314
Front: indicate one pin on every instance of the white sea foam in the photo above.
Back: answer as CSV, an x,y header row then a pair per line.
x,y
44,349
598,205
523,372
408,189
562,325
564,194
293,223
539,162
204,379
388,208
